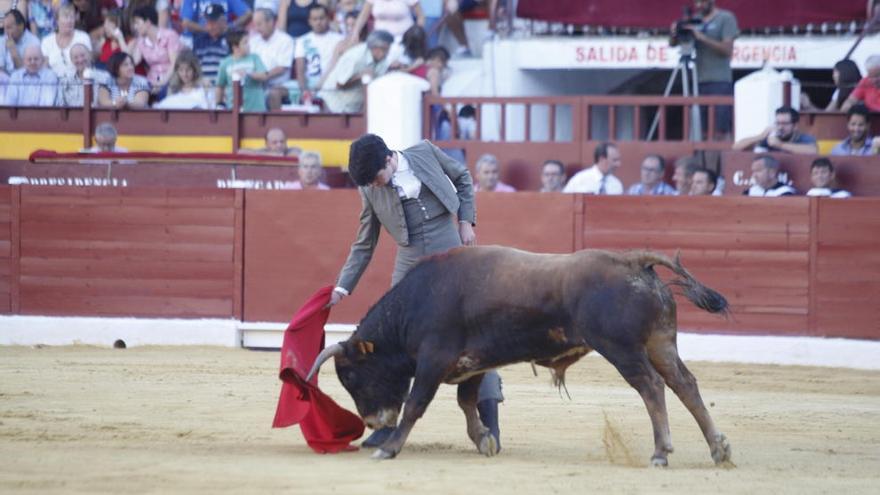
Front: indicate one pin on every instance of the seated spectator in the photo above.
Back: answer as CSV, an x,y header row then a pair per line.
x,y
651,184
858,142
113,40
309,172
293,16
193,14
56,46
868,89
391,16
822,178
33,85
275,49
71,92
552,176
683,175
186,89
124,88
155,46
467,122
765,178
90,16
343,90
41,14
487,175
342,11
782,136
598,179
314,52
15,39
846,76
105,140
210,45
276,145
703,182
347,43
245,67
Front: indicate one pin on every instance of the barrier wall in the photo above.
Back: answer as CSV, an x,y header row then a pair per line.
x,y
805,266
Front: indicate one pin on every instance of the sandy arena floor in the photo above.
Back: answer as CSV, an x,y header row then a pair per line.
x,y
161,420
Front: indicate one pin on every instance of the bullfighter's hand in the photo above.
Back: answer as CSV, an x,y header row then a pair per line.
x,y
335,297
466,232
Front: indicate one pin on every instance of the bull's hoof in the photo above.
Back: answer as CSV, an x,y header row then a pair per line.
x,y
381,455
488,445
659,462
721,451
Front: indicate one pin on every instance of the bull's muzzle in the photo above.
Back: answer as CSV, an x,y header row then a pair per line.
x,y
382,419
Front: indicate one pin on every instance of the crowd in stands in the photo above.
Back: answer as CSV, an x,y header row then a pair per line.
x,y
318,53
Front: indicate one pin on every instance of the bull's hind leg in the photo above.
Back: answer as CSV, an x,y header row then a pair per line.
x,y
468,391
636,369
664,356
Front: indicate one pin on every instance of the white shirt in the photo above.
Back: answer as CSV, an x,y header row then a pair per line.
x,y
317,50
394,16
196,98
406,182
826,192
59,60
277,51
589,181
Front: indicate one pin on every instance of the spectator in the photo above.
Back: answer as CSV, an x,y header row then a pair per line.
x,y
683,175
703,182
846,76
822,177
713,43
437,58
552,176
415,51
90,16
314,52
392,16
105,140
782,136
210,45
343,91
467,122
343,10
124,88
56,46
157,47
13,42
309,172
71,92
598,179
41,14
193,13
270,5
130,6
765,178
858,142
242,66
113,40
33,85
293,16
487,175
275,49
867,91
653,168
433,10
455,21
186,89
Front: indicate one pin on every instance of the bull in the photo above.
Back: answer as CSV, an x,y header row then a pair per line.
x,y
462,313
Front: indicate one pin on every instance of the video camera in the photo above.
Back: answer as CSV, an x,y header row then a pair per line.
x,y
682,35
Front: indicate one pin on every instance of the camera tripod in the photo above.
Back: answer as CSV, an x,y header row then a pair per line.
x,y
689,86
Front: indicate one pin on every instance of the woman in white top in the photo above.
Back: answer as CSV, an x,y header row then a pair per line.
x,y
394,16
186,89
56,46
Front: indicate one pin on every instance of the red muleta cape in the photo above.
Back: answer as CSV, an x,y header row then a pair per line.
x,y
327,427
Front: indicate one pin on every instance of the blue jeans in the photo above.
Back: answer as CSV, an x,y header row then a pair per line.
x,y
723,113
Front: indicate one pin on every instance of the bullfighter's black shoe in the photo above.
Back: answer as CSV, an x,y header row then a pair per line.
x,y
377,438
488,410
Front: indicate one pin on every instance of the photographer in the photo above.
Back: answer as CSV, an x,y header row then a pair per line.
x,y
712,31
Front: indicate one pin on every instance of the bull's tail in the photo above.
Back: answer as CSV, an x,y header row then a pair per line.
x,y
703,297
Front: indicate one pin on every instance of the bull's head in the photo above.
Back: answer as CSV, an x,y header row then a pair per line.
x,y
377,381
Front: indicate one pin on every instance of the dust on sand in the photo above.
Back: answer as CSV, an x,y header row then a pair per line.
x,y
197,419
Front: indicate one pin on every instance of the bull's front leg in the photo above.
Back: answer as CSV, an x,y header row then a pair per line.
x,y
468,393
429,375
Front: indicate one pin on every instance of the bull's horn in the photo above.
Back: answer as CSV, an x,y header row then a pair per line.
x,y
327,353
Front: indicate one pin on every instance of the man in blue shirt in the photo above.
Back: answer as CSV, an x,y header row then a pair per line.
x,y
193,13
33,85
783,136
14,41
210,45
858,143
